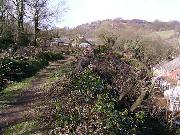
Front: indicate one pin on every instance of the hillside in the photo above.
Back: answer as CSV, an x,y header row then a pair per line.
x,y
120,24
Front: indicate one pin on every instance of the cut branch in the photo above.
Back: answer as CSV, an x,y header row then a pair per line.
x,y
138,101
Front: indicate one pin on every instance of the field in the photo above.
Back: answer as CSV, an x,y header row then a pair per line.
x,y
165,34
162,34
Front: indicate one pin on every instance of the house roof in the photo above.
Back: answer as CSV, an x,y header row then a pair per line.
x,y
169,65
61,40
84,45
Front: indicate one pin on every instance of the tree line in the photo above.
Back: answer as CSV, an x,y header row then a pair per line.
x,y
21,20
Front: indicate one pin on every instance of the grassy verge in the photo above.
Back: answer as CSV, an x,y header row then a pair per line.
x,y
13,90
23,128
31,127
66,68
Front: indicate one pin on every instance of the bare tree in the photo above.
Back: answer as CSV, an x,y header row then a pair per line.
x,y
42,15
14,10
2,15
20,14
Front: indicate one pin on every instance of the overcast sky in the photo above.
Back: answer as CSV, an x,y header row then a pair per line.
x,y
83,11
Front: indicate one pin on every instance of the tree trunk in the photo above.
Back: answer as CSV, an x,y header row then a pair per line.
x,y
36,25
20,19
124,93
21,15
2,16
141,97
138,101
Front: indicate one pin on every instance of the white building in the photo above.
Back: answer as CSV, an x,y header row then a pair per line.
x,y
173,98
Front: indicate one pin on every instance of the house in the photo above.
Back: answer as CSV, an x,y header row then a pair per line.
x,y
167,78
84,45
60,41
82,42
168,71
92,41
173,98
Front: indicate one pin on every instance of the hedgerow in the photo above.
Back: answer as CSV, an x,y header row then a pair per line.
x,y
16,69
98,96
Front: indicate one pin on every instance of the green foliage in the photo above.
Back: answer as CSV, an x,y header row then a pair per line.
x,y
152,126
115,121
101,49
89,102
22,128
24,40
87,81
98,99
136,48
15,69
7,39
50,56
178,132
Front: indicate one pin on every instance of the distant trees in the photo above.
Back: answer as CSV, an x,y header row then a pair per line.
x,y
42,14
2,16
20,10
16,15
38,12
6,31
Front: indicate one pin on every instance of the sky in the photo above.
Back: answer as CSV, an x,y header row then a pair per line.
x,y
84,11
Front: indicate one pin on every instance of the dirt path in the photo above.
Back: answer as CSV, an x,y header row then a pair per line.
x,y
23,106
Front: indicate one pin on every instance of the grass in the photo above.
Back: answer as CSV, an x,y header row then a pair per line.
x,y
13,90
162,34
24,128
31,127
165,34
67,68
18,85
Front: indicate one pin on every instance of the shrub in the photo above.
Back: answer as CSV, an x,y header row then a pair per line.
x,y
50,56
24,39
88,105
6,40
14,69
17,69
98,99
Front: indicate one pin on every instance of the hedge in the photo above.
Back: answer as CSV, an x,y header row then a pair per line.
x,y
16,69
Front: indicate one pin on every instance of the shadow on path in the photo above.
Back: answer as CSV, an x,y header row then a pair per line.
x,y
22,106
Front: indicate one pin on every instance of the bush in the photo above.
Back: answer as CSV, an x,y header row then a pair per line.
x,y
50,56
98,99
16,70
6,40
13,69
87,105
24,39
